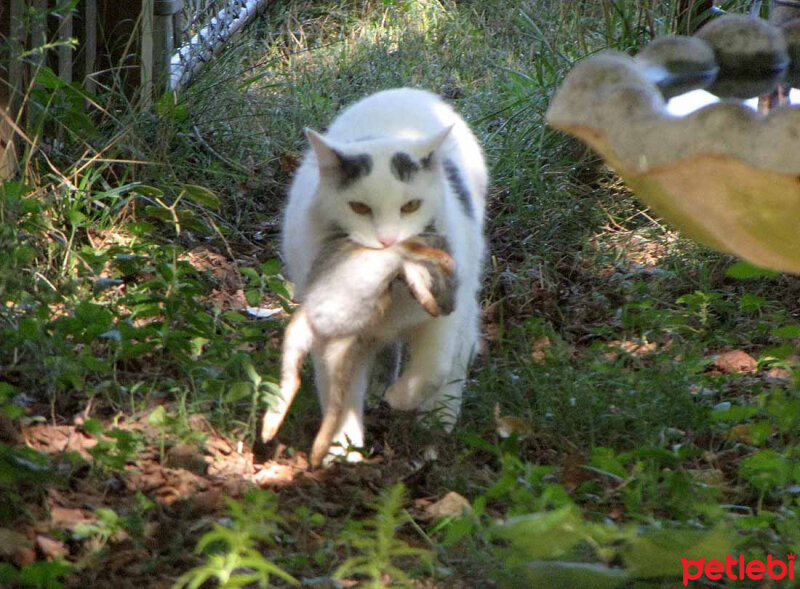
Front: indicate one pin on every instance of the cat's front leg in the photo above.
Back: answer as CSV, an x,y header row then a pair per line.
x,y
440,353
431,349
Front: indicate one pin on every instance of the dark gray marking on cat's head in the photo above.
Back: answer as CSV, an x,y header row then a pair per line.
x,y
427,161
403,167
353,167
457,185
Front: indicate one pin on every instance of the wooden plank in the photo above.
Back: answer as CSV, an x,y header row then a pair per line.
x,y
119,40
38,38
38,31
178,25
17,43
90,24
146,50
11,85
65,51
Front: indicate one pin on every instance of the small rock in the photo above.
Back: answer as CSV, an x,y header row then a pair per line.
x,y
451,504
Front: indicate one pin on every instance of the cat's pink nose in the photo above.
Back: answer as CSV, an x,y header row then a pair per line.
x,y
387,241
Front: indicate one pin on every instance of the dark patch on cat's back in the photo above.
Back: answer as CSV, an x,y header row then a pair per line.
x,y
457,184
403,166
353,167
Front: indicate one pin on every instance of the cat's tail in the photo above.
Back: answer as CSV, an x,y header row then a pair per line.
x,y
297,342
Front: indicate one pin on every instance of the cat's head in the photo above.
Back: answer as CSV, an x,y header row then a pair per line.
x,y
379,191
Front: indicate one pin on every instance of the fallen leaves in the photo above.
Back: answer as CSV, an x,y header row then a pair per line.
x,y
51,548
53,439
539,349
507,425
734,362
634,348
68,518
274,474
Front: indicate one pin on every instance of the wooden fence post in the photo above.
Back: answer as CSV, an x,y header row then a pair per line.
x,y
146,51
89,43
65,51
11,86
164,40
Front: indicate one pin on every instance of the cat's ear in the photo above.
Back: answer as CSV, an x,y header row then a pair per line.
x,y
435,141
426,148
333,164
327,157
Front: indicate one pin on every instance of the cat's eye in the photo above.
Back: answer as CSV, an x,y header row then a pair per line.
x,y
360,208
411,206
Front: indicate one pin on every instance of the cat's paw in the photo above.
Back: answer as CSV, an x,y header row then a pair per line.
x,y
337,453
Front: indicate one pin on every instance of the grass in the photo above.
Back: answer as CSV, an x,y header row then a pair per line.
x,y
135,238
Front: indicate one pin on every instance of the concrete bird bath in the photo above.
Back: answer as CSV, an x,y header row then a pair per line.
x,y
725,174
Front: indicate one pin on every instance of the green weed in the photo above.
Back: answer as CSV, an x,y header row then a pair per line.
x,y
231,549
376,545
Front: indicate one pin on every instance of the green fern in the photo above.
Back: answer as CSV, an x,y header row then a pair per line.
x,y
376,545
233,558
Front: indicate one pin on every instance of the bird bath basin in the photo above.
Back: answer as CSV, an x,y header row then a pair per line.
x,y
725,174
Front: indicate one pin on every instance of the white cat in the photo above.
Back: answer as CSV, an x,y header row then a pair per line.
x,y
392,166
339,314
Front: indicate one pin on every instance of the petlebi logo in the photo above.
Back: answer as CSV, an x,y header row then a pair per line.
x,y
736,569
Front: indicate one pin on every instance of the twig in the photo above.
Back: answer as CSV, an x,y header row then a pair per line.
x,y
214,152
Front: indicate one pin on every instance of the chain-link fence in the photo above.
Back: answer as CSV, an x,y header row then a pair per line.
x,y
140,47
155,45
202,27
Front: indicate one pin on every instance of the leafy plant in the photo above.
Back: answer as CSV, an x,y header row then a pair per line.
x,y
41,574
115,447
376,544
231,549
